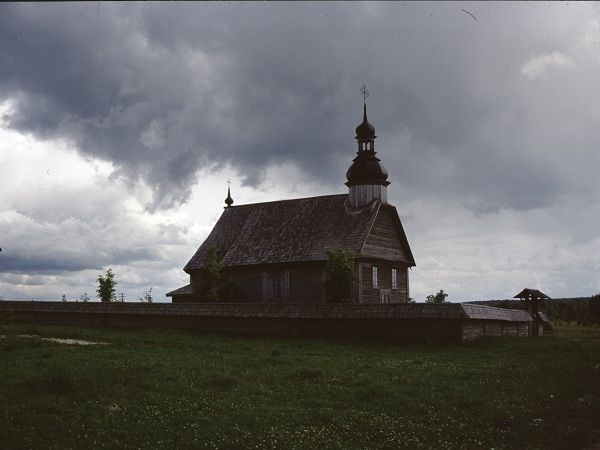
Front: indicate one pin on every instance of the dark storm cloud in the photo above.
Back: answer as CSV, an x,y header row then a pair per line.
x,y
56,261
33,264
57,258
166,90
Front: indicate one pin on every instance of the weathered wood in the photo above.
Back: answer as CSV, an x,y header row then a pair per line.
x,y
359,282
492,329
370,294
305,285
384,242
472,330
247,285
510,329
262,243
364,194
389,254
369,328
385,238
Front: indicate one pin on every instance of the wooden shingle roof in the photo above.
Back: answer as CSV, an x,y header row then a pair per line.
x,y
185,290
287,231
491,313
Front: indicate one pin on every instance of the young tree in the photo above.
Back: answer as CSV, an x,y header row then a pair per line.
x,y
440,297
209,275
339,275
147,298
84,297
106,287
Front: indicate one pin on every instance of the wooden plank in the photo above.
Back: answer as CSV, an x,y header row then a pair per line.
x,y
360,283
384,253
306,285
385,242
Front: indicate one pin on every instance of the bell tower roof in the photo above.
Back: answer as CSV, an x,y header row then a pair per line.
x,y
366,168
366,130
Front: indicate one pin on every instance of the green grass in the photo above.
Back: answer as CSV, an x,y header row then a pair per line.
x,y
572,330
167,389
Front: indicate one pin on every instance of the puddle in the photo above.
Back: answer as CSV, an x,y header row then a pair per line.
x,y
59,340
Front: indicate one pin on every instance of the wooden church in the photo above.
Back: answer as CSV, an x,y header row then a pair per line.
x,y
275,252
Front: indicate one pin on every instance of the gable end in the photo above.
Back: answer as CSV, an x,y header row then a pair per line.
x,y
386,239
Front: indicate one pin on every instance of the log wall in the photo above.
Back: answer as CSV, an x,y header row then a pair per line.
x,y
475,329
306,285
354,321
246,286
370,293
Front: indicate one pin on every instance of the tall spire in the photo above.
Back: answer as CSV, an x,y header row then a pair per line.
x,y
367,177
228,200
365,132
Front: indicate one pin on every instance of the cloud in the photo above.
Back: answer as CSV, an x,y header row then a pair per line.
x,y
164,92
63,220
538,66
121,122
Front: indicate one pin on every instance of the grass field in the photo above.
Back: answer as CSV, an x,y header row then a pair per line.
x,y
573,330
167,389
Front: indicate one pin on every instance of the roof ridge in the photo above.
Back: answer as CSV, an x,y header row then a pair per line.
x,y
286,200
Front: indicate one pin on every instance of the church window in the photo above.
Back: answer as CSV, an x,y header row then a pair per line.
x,y
375,282
394,278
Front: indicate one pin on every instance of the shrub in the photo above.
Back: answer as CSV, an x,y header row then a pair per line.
x,y
210,274
440,297
339,271
147,298
106,287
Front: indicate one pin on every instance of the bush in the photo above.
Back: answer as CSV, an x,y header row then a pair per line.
x,y
106,287
210,274
340,275
440,297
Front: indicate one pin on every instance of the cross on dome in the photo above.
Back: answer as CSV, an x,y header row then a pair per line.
x,y
365,92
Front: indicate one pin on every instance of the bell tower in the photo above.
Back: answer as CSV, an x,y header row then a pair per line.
x,y
367,178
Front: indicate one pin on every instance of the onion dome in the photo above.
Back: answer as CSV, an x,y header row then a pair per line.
x,y
367,169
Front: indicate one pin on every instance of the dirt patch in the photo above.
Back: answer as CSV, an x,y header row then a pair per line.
x,y
58,340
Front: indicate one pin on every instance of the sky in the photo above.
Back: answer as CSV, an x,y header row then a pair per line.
x,y
120,124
